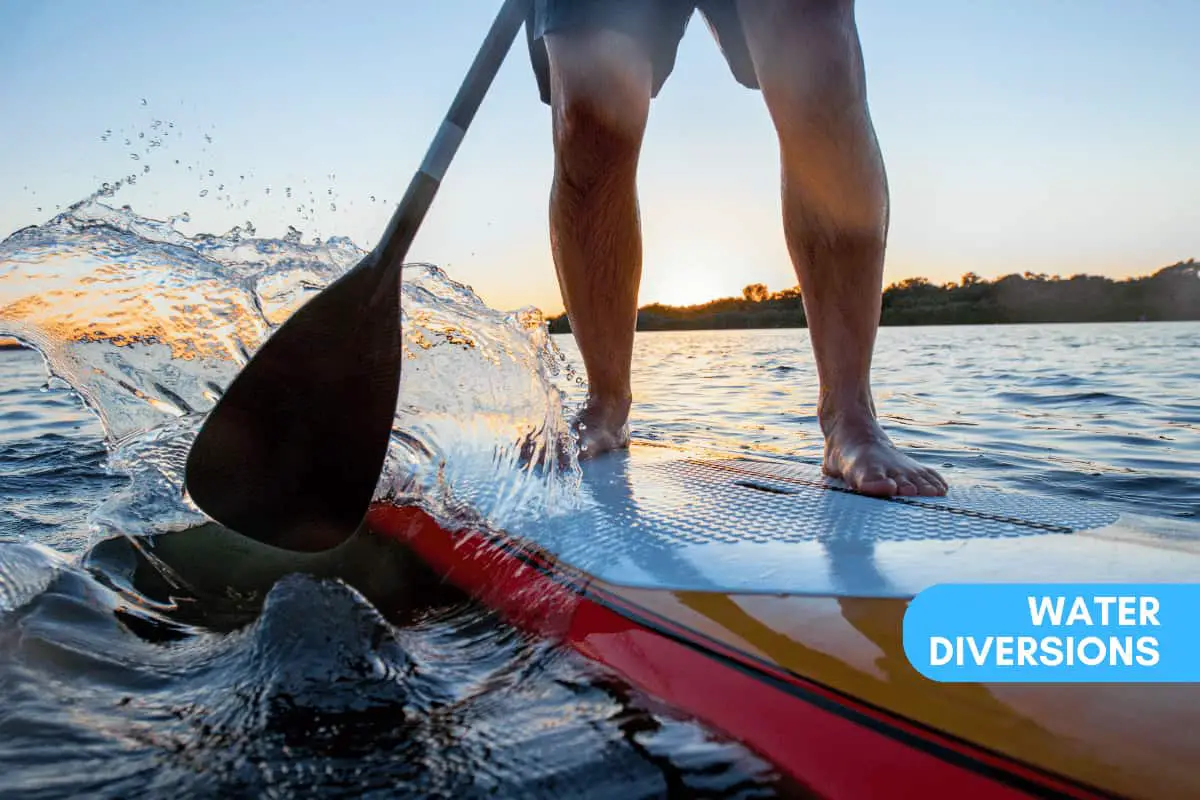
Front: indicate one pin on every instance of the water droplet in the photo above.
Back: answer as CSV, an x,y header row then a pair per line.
x,y
128,142
208,138
299,209
219,188
145,169
241,177
39,209
289,191
268,190
204,192
333,206
135,156
372,198
210,173
143,101
141,135
329,191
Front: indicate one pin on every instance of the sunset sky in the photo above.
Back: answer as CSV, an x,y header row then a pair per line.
x,y
1055,136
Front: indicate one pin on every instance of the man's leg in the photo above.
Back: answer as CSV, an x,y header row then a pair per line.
x,y
835,204
600,86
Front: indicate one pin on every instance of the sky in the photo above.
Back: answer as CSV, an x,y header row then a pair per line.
x,y
1054,136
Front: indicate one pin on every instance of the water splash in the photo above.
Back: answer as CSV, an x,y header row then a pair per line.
x,y
25,571
149,325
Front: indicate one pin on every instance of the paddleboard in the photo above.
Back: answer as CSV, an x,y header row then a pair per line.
x,y
765,599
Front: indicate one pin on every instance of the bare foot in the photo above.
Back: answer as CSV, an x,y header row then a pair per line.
x,y
861,454
602,427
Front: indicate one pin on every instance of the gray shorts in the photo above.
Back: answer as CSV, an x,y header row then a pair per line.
x,y
658,24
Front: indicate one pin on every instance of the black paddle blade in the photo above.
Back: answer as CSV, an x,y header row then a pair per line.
x,y
292,452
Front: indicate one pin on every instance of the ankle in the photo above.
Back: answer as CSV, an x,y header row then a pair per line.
x,y
610,410
853,409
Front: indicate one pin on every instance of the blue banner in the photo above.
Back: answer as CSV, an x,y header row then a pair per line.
x,y
1055,633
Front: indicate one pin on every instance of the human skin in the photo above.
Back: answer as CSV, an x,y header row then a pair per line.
x,y
808,61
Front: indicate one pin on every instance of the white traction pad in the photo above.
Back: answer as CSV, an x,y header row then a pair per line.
x,y
741,525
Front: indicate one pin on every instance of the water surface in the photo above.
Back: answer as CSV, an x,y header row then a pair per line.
x,y
1105,412
109,689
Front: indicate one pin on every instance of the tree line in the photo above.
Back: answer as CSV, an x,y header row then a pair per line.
x,y
1170,294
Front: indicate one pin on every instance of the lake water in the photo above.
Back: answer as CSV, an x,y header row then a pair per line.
x,y
1109,413
455,701
105,690
107,694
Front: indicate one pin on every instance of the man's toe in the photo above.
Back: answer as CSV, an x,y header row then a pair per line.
x,y
931,483
876,484
926,487
906,487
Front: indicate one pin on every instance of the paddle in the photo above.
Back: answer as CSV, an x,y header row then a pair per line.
x,y
292,452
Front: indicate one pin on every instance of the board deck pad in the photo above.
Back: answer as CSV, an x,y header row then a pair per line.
x,y
657,518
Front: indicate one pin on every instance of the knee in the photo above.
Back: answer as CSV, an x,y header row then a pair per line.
x,y
604,125
600,97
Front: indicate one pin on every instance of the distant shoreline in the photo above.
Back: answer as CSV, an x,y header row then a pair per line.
x,y
1171,294
801,327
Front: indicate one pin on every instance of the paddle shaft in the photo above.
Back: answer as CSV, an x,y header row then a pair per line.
x,y
291,454
421,190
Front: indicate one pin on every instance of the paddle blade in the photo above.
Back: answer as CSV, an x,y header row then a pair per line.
x,y
292,452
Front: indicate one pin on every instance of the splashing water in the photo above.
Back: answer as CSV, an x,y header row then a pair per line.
x,y
149,325
112,687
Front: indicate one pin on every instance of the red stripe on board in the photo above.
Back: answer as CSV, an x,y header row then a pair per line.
x,y
834,755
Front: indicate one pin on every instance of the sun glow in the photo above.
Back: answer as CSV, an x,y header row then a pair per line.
x,y
688,276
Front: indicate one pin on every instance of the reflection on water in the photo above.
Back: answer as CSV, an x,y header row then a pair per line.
x,y
108,686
